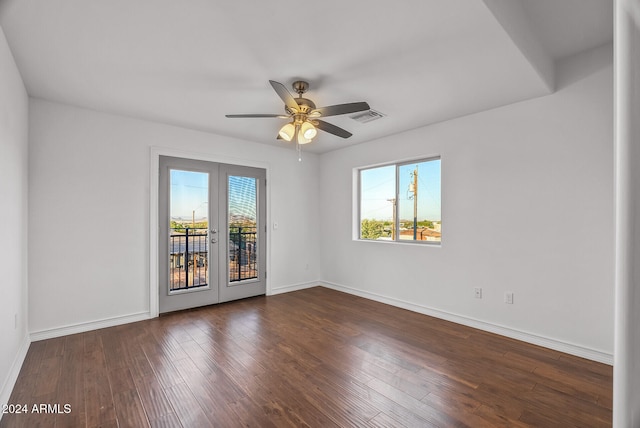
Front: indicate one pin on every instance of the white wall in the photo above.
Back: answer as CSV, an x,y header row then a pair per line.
x,y
13,218
626,372
527,207
89,211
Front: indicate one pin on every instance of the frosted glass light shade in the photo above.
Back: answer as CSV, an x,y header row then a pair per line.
x,y
287,132
308,131
302,140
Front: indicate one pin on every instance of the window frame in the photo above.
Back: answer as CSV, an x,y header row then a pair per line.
x,y
357,203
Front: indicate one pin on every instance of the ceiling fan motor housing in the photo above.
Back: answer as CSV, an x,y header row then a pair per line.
x,y
304,106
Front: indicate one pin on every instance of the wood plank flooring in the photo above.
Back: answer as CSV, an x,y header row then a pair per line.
x,y
315,357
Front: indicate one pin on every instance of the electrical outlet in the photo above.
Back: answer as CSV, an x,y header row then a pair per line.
x,y
478,292
508,297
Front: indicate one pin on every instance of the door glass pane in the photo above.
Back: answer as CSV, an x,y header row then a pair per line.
x,y
243,232
189,224
419,201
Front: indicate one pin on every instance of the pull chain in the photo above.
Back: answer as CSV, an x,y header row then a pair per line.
x,y
297,136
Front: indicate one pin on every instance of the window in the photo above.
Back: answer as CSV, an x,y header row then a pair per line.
x,y
401,202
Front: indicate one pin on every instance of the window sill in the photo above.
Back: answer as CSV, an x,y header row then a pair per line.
x,y
430,244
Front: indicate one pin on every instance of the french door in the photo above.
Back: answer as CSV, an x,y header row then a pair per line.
x,y
212,233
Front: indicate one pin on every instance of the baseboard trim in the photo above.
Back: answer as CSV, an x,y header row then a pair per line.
x,y
557,345
294,287
111,322
12,376
88,326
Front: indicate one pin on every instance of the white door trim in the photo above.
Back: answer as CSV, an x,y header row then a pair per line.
x,y
154,188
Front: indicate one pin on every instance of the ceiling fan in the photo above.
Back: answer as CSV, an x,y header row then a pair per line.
x,y
304,115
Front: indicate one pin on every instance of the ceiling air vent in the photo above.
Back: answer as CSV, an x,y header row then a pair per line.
x,y
367,116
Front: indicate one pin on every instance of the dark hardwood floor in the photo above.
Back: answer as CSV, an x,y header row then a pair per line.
x,y
314,357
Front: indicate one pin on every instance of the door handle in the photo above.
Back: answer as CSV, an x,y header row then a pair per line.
x,y
214,230
214,240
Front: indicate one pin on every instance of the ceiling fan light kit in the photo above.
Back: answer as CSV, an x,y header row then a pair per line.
x,y
303,115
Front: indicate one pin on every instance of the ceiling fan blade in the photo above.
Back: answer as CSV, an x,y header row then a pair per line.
x,y
235,116
332,129
285,95
339,109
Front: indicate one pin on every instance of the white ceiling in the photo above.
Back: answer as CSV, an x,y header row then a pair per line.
x,y
190,63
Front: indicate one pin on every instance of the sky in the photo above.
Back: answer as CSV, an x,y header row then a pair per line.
x,y
378,186
190,192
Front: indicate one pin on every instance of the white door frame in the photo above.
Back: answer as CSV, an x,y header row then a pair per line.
x,y
154,189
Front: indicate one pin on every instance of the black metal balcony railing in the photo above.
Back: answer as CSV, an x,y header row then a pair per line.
x,y
189,256
243,250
